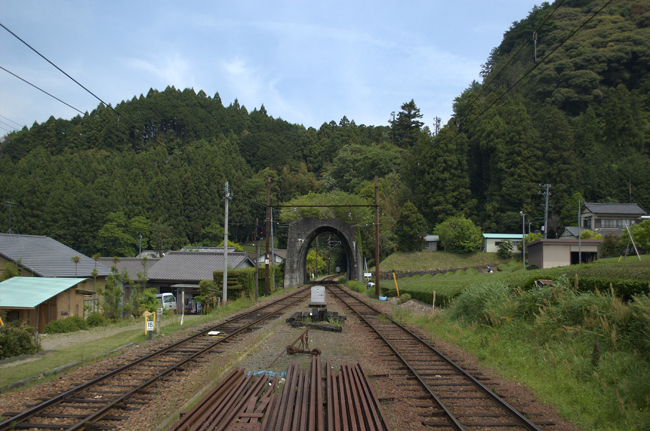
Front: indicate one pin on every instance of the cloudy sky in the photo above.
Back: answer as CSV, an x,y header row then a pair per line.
x,y
308,62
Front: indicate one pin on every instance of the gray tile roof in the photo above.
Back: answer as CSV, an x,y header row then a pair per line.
x,y
187,266
47,257
132,264
573,230
615,208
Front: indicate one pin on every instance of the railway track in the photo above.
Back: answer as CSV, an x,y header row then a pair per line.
x,y
102,403
448,397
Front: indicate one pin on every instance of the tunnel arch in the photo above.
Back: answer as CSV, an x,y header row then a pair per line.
x,y
302,232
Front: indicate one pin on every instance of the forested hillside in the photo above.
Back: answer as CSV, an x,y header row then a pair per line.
x,y
571,111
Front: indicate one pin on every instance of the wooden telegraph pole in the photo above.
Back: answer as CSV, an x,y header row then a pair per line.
x,y
268,230
376,236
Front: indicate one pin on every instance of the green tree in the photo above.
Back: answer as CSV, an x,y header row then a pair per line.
x,y
76,260
640,234
411,228
312,263
438,176
406,127
459,235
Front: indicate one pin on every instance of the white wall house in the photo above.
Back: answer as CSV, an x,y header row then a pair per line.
x,y
491,241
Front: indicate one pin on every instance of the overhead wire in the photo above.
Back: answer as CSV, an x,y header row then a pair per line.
x,y
40,89
512,57
9,119
472,120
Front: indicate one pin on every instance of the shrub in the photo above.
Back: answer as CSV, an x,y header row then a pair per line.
x,y
505,250
17,339
427,276
342,279
459,235
69,324
460,272
448,274
357,286
484,303
403,298
243,280
96,319
471,271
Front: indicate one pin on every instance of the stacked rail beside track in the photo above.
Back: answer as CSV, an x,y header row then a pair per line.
x,y
92,405
454,398
244,402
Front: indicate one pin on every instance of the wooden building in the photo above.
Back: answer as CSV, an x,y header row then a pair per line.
x,y
38,301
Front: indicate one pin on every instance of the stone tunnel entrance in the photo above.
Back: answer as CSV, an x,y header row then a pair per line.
x,y
302,233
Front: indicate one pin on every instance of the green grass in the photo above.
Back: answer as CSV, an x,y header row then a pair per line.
x,y
555,361
544,339
437,260
132,333
628,278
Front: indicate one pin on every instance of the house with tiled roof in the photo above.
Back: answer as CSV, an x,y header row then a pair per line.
x,y
132,266
42,256
610,217
184,270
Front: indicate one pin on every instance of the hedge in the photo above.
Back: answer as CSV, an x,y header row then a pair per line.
x,y
628,280
243,280
69,324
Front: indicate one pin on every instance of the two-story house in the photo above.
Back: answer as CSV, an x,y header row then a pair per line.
x,y
610,217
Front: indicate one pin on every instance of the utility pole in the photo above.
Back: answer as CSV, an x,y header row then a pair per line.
x,y
523,237
224,293
316,270
268,228
376,236
579,236
272,251
10,204
257,258
546,194
140,247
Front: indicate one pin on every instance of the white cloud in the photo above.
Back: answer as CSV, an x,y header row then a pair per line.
x,y
169,70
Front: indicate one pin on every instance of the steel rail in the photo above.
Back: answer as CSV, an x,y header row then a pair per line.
x,y
525,422
9,423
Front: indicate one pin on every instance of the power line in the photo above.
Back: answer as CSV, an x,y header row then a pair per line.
x,y
533,37
9,119
40,89
66,74
7,124
472,120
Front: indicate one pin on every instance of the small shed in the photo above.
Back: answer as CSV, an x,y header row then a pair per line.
x,y
491,241
41,300
549,253
431,242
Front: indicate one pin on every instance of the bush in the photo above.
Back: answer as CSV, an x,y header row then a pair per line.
x,y
471,271
427,276
484,303
448,274
342,279
357,286
96,319
459,235
403,298
243,280
505,250
69,324
460,272
17,339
